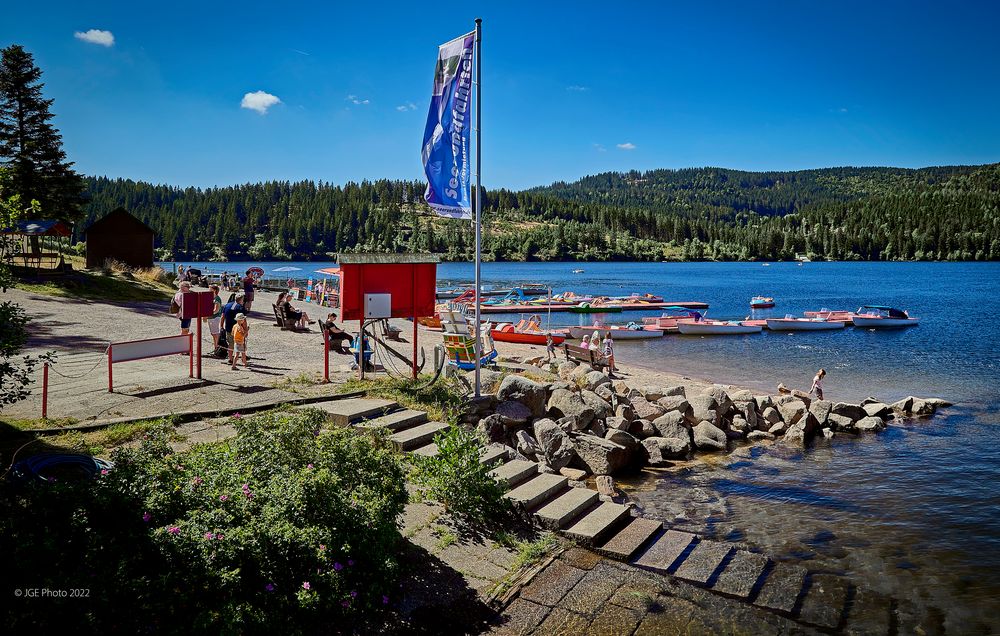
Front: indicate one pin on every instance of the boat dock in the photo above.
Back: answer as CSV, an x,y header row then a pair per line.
x,y
540,307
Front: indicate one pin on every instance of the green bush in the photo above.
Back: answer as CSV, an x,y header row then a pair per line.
x,y
457,479
287,528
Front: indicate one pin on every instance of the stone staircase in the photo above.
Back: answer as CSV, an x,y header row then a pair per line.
x,y
825,601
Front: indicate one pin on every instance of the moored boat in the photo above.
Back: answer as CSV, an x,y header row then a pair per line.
x,y
880,317
761,302
788,323
595,308
831,314
670,317
716,328
525,332
631,331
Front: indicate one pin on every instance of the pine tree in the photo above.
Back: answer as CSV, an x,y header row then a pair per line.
x,y
29,144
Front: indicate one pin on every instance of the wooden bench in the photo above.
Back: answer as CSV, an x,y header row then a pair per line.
x,y
583,354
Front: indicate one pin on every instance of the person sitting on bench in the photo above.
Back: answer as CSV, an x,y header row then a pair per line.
x,y
337,335
300,318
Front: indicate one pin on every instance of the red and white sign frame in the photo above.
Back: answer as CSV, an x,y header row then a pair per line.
x,y
149,348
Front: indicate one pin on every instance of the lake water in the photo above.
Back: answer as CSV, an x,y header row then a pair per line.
x,y
914,512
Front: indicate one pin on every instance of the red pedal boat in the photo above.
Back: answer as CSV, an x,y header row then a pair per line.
x,y
525,332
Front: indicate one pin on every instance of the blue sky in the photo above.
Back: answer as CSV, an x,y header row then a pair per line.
x,y
569,90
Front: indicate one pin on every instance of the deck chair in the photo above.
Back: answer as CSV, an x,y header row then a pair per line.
x,y
462,352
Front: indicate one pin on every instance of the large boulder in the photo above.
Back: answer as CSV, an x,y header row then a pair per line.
x,y
802,395
673,424
621,438
877,409
651,393
597,428
708,436
555,444
513,413
674,391
840,423
619,423
853,411
625,411
595,379
521,389
645,410
642,429
620,387
492,427
526,444
705,408
598,455
741,395
722,399
740,425
770,417
755,436
565,368
821,410
606,393
903,406
763,402
564,403
922,407
746,409
870,424
803,430
579,374
601,408
660,449
792,412
795,437
675,403
778,429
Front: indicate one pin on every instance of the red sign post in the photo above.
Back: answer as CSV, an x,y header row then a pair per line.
x,y
197,305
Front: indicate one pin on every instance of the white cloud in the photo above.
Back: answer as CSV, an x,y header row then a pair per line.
x,y
357,101
628,145
600,148
843,109
407,106
301,52
577,88
259,101
96,36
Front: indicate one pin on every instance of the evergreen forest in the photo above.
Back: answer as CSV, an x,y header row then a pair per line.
x,y
940,213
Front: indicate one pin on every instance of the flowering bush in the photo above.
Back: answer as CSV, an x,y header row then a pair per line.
x,y
286,527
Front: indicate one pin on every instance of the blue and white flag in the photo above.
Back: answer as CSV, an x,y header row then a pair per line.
x,y
445,153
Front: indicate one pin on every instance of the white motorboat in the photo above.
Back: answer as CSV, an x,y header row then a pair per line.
x,y
880,317
789,323
716,328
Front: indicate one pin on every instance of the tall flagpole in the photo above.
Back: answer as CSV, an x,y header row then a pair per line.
x,y
479,190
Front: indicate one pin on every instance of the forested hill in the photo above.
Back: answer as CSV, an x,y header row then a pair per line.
x,y
943,213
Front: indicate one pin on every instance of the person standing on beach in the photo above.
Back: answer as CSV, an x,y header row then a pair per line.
x,y
185,287
609,353
817,385
229,313
248,287
241,332
215,320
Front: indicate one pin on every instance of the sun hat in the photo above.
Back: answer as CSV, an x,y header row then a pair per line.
x,y
241,317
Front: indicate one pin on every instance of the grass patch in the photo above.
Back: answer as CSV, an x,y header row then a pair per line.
x,y
445,537
97,286
442,400
101,442
295,383
530,552
26,424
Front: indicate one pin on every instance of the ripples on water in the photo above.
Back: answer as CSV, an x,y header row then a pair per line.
x,y
914,512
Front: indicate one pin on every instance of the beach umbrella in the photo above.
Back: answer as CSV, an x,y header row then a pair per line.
x,y
288,269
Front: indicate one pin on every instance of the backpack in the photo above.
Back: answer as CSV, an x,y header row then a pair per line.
x,y
174,307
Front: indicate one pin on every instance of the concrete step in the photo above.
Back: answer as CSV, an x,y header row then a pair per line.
x,y
632,537
396,421
663,552
514,472
417,436
534,491
343,412
741,574
601,522
704,560
431,450
566,507
493,455
782,588
825,601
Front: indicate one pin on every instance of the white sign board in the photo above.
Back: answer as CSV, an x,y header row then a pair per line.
x,y
139,349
